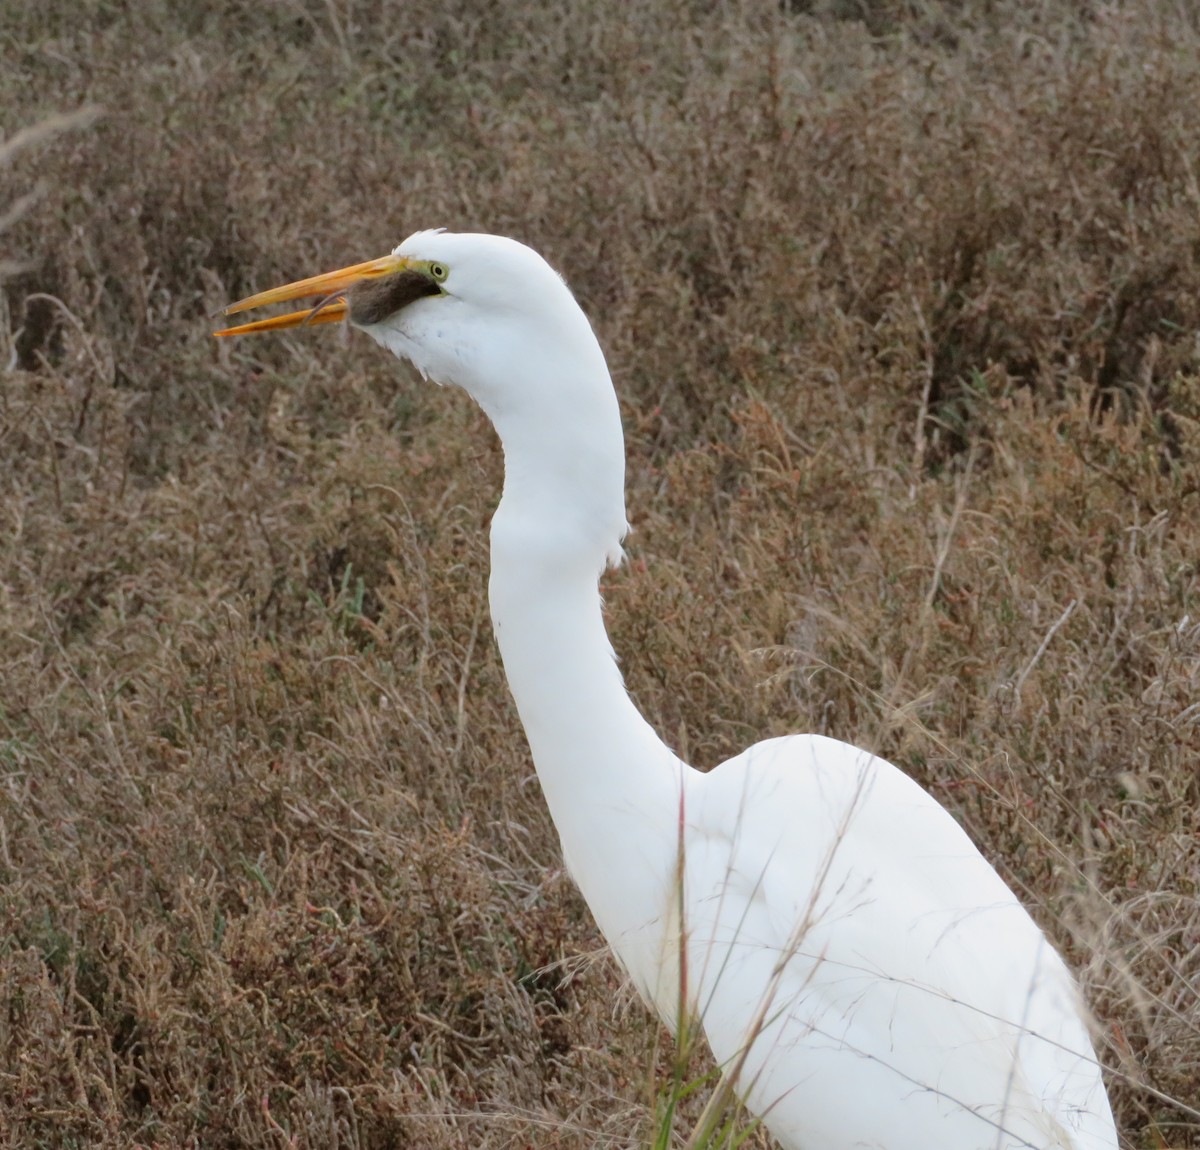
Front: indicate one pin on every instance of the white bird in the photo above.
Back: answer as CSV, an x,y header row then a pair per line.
x,y
857,966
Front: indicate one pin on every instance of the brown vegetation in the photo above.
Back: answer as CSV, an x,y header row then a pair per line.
x,y
901,302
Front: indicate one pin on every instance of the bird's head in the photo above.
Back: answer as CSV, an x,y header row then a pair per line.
x,y
471,309
490,315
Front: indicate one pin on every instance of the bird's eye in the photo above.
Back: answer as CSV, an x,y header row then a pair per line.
x,y
439,271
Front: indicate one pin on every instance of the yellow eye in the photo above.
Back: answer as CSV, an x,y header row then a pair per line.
x,y
439,271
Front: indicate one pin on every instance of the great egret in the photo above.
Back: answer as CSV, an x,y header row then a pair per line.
x,y
853,959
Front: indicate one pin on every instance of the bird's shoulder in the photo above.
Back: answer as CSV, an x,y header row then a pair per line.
x,y
813,786
806,829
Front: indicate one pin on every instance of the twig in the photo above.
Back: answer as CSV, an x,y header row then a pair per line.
x,y
1042,649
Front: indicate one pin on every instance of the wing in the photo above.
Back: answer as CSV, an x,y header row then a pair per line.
x,y
866,973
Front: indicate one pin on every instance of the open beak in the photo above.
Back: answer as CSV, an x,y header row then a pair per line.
x,y
328,289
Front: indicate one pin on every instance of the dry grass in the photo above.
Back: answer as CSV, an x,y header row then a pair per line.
x,y
901,302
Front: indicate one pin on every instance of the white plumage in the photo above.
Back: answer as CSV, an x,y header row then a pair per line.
x,y
850,954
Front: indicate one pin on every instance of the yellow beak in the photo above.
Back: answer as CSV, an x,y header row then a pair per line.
x,y
330,289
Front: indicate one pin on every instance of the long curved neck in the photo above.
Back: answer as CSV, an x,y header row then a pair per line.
x,y
612,785
557,526
591,746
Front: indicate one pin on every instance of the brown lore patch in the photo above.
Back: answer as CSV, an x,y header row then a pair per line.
x,y
372,301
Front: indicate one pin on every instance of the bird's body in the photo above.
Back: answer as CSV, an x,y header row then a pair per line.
x,y
851,956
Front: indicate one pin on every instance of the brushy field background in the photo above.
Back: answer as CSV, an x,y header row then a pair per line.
x,y
901,301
